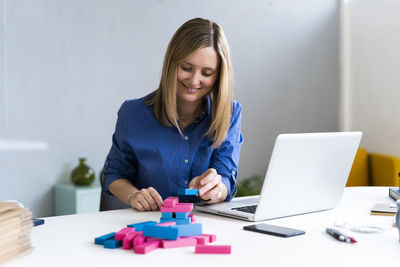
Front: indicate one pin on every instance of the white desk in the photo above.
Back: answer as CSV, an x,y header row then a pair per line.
x,y
69,240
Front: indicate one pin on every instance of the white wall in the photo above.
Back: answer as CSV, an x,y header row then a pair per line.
x,y
373,85
71,63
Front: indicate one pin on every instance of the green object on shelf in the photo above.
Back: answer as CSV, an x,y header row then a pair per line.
x,y
83,174
250,186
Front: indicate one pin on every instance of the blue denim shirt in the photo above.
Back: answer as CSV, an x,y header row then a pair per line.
x,y
150,154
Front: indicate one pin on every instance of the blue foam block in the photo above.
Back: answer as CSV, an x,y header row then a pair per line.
x,y
165,232
112,243
188,192
139,226
101,239
182,215
178,221
189,229
166,215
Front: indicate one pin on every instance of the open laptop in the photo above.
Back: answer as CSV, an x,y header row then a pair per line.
x,y
307,173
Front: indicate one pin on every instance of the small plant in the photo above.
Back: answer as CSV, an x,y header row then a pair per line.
x,y
249,186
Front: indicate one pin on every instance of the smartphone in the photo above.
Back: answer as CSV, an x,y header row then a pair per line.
x,y
273,230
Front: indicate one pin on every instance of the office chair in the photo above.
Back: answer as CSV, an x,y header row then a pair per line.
x,y
110,202
373,169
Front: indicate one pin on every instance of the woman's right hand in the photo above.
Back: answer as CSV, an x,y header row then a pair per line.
x,y
146,199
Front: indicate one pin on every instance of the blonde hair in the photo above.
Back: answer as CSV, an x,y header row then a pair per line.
x,y
195,34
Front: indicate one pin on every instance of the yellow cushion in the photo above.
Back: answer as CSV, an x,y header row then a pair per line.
x,y
359,174
384,169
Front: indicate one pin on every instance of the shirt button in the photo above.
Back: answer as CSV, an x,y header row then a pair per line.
x,y
186,182
186,137
233,172
186,161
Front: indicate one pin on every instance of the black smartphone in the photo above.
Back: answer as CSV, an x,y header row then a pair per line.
x,y
273,230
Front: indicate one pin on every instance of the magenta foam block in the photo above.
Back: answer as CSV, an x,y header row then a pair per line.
x,y
179,207
128,239
200,239
169,223
180,242
138,240
212,249
170,201
191,217
212,238
123,232
147,247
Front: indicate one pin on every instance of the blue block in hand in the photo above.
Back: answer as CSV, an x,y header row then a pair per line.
x,y
165,232
112,243
188,192
101,239
139,226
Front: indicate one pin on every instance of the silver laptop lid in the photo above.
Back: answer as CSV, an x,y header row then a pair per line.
x,y
306,173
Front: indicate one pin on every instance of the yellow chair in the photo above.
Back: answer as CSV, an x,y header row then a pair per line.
x,y
374,169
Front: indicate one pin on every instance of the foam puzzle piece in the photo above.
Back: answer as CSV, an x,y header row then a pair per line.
x,y
177,221
123,232
166,215
147,247
139,226
138,240
188,192
100,240
189,199
165,232
179,207
188,229
166,223
181,215
170,201
128,239
212,249
112,243
180,242
200,239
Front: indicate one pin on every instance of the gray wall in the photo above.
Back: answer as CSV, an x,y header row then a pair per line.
x,y
70,64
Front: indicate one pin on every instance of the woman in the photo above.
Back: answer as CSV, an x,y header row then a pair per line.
x,y
184,134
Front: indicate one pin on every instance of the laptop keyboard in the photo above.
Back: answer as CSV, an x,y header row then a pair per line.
x,y
248,209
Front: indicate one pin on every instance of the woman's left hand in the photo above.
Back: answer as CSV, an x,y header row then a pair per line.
x,y
211,189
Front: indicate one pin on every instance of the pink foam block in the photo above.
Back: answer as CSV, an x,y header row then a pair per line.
x,y
152,239
191,218
147,247
180,242
170,201
212,238
123,232
203,239
179,207
212,249
167,223
127,241
138,240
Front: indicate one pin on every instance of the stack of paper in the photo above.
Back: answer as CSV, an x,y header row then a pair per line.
x,y
15,230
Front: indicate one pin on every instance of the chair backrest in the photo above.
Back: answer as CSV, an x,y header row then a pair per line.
x,y
384,169
110,202
359,174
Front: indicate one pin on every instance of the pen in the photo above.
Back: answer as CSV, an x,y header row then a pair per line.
x,y
339,236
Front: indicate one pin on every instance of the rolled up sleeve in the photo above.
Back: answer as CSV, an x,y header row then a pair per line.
x,y
120,161
225,158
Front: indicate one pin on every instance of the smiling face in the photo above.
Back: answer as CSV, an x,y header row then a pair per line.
x,y
196,76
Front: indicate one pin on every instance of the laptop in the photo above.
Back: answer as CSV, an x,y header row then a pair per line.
x,y
307,172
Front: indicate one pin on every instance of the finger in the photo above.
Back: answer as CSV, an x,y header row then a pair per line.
x,y
137,205
156,196
208,176
143,201
194,183
202,190
149,199
215,193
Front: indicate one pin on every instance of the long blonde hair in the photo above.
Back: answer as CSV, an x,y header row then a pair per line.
x,y
191,36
